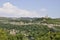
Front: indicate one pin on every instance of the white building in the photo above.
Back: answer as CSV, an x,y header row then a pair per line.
x,y
13,32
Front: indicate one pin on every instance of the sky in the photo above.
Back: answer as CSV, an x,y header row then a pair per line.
x,y
30,8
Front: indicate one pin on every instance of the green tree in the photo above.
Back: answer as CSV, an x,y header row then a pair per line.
x,y
3,35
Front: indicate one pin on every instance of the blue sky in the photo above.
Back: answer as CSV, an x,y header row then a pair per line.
x,y
39,7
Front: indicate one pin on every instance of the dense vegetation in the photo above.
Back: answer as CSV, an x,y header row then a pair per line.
x,y
29,32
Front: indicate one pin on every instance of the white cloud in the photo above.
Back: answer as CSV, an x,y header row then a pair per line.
x,y
10,10
43,9
43,12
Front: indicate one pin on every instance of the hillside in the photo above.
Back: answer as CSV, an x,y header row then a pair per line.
x,y
30,28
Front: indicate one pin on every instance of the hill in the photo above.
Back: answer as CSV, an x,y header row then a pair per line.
x,y
30,28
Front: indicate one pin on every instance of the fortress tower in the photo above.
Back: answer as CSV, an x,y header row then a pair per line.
x,y
46,16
